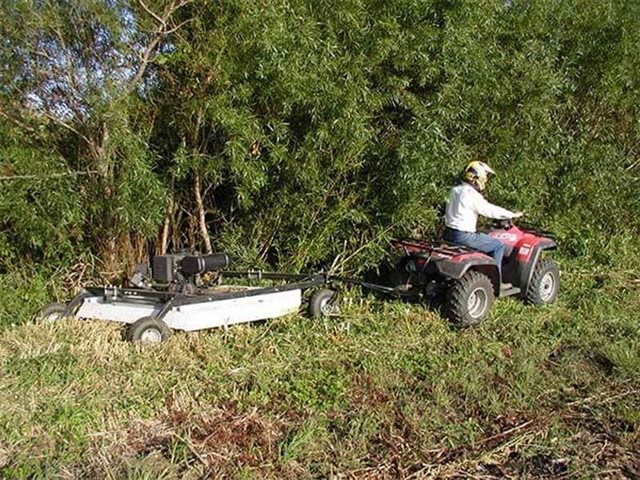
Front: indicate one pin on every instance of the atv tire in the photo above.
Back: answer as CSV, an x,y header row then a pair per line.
x,y
469,299
147,330
323,303
545,283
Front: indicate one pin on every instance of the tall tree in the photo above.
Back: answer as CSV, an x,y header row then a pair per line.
x,y
79,71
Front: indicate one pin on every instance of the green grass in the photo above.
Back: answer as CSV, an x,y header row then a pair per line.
x,y
385,390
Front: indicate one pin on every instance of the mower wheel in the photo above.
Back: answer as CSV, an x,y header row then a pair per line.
x,y
323,303
469,299
147,330
51,313
545,283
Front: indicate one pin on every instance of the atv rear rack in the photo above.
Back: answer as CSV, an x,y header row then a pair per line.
x,y
412,246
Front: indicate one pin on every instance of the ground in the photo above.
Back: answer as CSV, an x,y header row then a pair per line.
x,y
385,390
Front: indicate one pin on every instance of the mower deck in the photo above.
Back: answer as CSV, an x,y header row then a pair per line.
x,y
192,313
216,306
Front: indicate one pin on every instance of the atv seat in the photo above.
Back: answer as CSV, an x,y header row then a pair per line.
x,y
457,245
508,249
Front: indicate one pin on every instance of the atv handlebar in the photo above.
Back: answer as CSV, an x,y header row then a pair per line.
x,y
503,223
509,223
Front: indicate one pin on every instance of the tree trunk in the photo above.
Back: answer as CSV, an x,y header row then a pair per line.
x,y
166,228
201,215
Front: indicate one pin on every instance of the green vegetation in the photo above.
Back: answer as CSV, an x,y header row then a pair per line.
x,y
293,134
385,390
281,129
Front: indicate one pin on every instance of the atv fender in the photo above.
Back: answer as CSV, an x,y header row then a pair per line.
x,y
528,265
454,269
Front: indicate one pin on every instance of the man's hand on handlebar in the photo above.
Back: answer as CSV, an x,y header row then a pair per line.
x,y
507,222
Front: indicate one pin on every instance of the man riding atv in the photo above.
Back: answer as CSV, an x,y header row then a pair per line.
x,y
465,203
467,276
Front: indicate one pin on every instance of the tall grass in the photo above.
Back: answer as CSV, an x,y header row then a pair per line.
x,y
386,389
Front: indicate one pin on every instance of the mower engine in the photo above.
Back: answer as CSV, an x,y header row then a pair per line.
x,y
183,269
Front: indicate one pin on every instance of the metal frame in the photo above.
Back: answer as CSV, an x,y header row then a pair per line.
x,y
412,246
169,300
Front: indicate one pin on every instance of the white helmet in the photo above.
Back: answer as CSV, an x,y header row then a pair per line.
x,y
477,173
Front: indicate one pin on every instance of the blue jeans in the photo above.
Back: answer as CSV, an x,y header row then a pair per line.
x,y
478,241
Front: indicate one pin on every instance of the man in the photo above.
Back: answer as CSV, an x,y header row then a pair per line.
x,y
465,204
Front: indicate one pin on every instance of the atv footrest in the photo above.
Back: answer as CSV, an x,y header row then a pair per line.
x,y
509,292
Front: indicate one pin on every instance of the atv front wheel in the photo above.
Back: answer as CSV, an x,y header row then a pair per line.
x,y
469,299
545,283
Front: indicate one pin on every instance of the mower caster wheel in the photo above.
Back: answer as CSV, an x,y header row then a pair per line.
x,y
51,313
147,330
469,299
323,303
545,283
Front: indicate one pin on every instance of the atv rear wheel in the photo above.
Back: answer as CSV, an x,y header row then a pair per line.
x,y
469,299
398,276
544,284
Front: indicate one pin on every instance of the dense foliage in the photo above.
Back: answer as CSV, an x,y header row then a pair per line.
x,y
303,134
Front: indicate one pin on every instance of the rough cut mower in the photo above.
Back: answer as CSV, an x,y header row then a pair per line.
x,y
466,281
173,297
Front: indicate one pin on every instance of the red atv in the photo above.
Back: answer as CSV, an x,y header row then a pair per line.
x,y
466,281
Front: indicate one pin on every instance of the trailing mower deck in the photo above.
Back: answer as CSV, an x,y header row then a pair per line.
x,y
172,300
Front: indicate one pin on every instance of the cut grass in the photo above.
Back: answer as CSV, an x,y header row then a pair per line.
x,y
385,390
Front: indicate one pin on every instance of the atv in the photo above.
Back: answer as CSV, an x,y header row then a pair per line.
x,y
466,282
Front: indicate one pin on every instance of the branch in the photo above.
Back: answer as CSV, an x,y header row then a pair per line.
x,y
68,127
150,12
178,27
146,58
202,222
46,177
162,30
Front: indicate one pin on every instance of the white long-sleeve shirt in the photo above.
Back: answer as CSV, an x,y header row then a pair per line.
x,y
465,204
